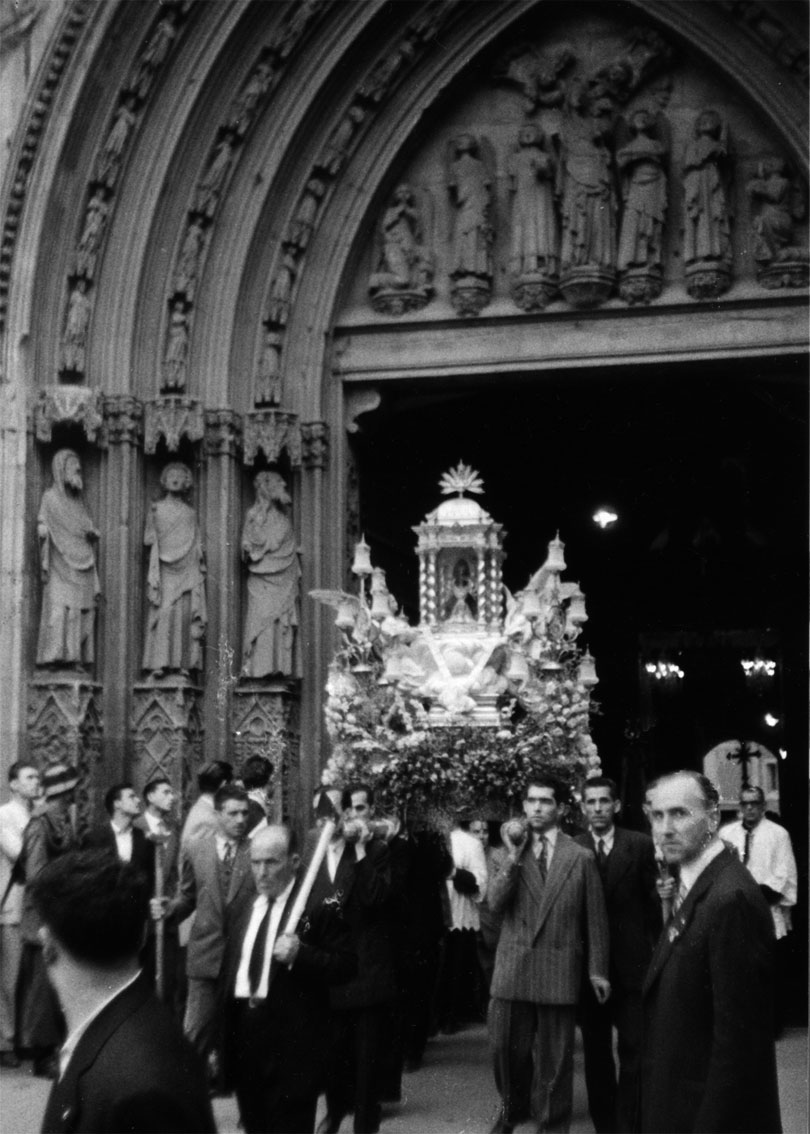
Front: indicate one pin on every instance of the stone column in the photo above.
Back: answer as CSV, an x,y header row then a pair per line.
x,y
121,571
13,443
167,734
222,522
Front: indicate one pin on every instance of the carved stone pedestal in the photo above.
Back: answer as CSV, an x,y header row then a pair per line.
x,y
64,727
706,279
266,723
533,290
167,733
397,301
587,285
470,295
788,269
641,285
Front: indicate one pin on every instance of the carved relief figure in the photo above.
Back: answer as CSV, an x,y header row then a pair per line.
x,y
176,357
153,55
470,188
209,188
269,549
90,239
67,549
707,217
535,251
303,222
337,147
268,377
245,104
281,289
74,340
780,263
403,280
177,613
108,162
642,165
383,75
184,280
460,604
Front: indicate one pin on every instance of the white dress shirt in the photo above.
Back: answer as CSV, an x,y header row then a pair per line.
x,y
242,988
14,817
551,843
333,852
607,840
468,854
123,842
771,862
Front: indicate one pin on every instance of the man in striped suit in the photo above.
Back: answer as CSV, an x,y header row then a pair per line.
x,y
554,918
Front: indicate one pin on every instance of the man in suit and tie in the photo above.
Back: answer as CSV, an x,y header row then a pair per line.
x,y
202,817
278,993
157,823
709,1059
554,920
125,1064
215,881
626,863
120,834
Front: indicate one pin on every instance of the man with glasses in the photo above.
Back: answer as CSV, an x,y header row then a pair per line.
x,y
709,1060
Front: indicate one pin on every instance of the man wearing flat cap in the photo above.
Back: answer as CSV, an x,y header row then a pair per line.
x,y
47,836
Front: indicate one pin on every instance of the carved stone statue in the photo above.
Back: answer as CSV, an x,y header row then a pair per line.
x,y
337,147
177,613
74,340
281,289
151,58
642,165
303,223
383,75
404,275
209,188
707,217
176,357
268,377
184,280
588,200
108,162
269,549
780,262
90,239
470,188
67,549
534,262
244,106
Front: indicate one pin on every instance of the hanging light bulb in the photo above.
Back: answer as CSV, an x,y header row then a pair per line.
x,y
380,605
556,560
576,611
346,615
362,558
587,670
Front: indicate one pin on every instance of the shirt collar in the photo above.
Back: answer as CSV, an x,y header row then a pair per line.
x,y
691,871
607,839
70,1044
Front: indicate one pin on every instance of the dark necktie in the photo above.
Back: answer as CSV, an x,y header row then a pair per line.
x,y
749,838
542,858
257,953
601,856
227,866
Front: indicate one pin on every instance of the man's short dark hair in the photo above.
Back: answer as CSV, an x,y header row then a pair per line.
x,y
602,781
153,785
94,904
711,796
550,782
229,791
212,776
752,789
17,767
113,794
353,789
256,772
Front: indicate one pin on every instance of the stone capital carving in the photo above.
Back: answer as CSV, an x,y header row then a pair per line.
x,y
123,420
271,432
172,418
223,433
76,405
264,724
167,734
314,444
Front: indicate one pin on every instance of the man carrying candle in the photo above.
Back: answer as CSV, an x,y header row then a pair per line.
x,y
278,1001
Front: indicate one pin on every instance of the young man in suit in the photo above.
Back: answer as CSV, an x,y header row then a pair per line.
x,y
217,883
125,1064
709,1060
278,993
626,864
549,894
120,834
157,823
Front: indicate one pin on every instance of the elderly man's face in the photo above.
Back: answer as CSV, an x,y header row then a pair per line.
x,y
682,825
272,865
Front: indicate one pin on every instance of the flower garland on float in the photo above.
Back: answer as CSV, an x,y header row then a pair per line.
x,y
489,690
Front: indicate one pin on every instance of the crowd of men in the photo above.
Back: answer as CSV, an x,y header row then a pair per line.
x,y
146,967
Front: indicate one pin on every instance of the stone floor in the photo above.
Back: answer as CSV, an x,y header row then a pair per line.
x,y
453,1093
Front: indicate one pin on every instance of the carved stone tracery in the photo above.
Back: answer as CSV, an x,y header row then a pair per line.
x,y
265,723
171,418
272,432
69,405
167,734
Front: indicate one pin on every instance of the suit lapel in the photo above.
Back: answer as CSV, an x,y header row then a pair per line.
x,y
618,860
562,861
241,868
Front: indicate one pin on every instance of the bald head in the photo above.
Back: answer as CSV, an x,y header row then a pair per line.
x,y
273,860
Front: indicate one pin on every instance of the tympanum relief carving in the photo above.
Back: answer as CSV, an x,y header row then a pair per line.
x,y
403,279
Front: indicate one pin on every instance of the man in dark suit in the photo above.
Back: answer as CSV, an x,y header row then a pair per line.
x,y
549,894
356,874
709,1059
125,1064
121,834
158,824
278,996
217,883
626,864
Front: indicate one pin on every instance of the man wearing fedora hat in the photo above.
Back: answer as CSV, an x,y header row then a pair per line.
x,y
47,836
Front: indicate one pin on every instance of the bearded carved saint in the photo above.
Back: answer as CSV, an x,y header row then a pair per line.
x,y
176,579
67,549
271,644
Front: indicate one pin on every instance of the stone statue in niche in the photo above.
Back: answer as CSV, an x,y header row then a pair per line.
x,y
175,360
641,158
151,58
108,162
177,614
84,262
244,106
209,188
470,187
403,280
780,204
281,290
707,215
588,251
73,353
268,376
67,553
184,280
534,262
303,223
539,77
383,75
269,549
337,147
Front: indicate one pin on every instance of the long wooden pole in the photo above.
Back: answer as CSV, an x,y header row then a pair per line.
x,y
299,905
159,927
